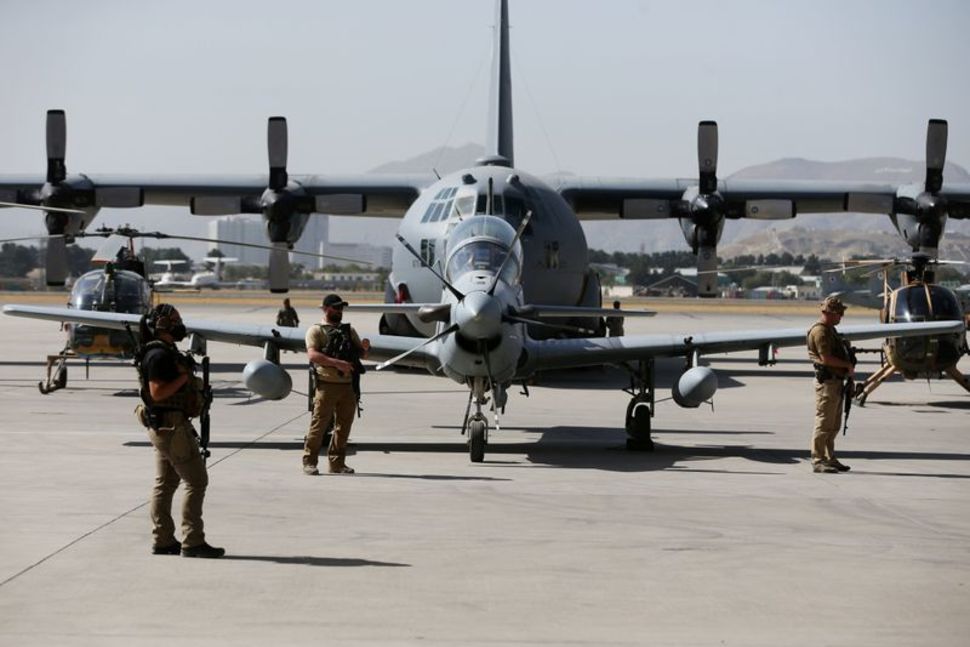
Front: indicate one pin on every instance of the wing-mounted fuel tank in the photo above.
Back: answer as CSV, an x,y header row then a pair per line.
x,y
694,387
266,378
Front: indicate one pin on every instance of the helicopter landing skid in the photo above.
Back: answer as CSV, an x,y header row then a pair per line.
x,y
57,371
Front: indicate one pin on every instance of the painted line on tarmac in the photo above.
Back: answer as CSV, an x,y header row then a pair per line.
x,y
141,505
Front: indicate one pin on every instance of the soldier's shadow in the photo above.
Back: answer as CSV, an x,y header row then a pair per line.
x,y
308,560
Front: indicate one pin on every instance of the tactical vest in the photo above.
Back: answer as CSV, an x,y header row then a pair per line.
x,y
189,399
840,350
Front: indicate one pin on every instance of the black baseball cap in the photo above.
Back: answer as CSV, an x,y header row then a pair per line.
x,y
333,301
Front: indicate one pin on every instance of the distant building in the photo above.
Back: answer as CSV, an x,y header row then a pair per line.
x,y
252,230
671,286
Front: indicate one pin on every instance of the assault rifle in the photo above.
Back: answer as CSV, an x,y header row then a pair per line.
x,y
206,404
848,389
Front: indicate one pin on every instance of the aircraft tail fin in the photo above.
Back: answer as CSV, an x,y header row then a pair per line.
x,y
499,142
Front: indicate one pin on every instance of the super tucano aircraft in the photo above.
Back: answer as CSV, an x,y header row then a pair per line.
x,y
492,269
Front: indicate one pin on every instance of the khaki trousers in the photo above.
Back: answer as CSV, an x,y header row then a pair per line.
x,y
337,401
177,458
828,419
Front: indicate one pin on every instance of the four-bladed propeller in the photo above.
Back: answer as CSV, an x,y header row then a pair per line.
x,y
927,207
703,209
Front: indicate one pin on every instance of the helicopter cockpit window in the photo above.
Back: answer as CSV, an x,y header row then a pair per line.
x,y
926,303
945,304
481,244
121,291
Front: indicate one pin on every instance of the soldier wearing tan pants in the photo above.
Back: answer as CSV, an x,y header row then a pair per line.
x,y
830,357
170,396
333,349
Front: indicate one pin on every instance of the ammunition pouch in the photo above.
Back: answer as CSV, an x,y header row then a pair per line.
x,y
823,373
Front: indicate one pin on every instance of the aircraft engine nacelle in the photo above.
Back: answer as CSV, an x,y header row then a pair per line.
x,y
267,380
695,386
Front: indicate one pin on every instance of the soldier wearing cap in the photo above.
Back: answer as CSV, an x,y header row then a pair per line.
x,y
832,360
333,349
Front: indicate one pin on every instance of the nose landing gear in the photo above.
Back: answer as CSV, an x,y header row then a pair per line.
x,y
477,424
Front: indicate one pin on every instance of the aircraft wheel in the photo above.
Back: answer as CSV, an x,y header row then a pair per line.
x,y
477,440
638,426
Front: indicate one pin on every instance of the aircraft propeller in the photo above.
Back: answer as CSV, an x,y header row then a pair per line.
x,y
703,207
926,208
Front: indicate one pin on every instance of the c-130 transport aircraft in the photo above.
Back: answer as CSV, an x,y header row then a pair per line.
x,y
492,271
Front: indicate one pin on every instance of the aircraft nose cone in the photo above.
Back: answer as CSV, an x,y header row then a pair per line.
x,y
479,316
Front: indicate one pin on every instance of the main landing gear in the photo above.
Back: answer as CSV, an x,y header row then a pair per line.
x,y
640,409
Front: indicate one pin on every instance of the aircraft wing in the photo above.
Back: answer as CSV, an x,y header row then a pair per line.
x,y
957,199
598,198
383,347
358,195
570,353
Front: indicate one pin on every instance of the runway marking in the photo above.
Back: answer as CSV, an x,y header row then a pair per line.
x,y
139,506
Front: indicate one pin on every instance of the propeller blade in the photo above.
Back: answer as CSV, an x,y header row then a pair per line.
x,y
276,143
56,260
936,135
393,360
707,156
427,266
440,312
56,145
707,271
508,253
279,268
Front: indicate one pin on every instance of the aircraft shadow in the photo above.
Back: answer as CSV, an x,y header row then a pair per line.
x,y
604,448
611,378
313,561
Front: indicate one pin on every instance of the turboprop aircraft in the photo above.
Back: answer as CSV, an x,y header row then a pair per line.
x,y
515,294
702,204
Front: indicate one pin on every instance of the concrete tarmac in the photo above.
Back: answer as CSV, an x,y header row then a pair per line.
x,y
722,536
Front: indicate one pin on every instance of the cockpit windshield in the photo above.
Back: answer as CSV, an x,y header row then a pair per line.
x,y
926,303
119,291
481,243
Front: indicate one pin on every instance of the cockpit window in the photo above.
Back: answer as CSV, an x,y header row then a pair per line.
x,y
121,291
926,303
480,244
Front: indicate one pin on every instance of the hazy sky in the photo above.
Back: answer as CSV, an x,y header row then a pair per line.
x,y
614,87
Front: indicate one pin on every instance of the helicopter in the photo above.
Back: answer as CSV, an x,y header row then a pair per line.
x,y
119,285
917,298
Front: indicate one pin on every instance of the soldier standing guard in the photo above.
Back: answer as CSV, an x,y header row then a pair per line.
x,y
614,324
287,317
832,360
171,395
334,349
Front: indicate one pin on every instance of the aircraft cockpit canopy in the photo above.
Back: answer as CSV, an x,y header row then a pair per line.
x,y
117,291
481,243
924,302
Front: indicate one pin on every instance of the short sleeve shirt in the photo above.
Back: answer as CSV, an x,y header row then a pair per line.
x,y
160,365
825,340
316,338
